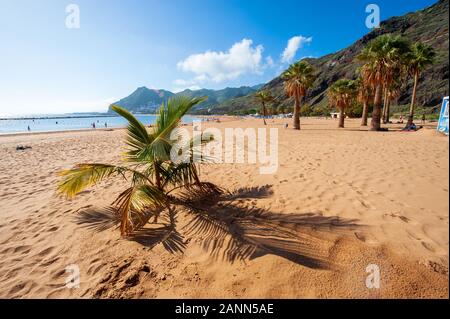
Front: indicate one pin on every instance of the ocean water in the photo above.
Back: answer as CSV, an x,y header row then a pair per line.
x,y
49,123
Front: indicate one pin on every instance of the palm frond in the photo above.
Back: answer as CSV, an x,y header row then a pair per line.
x,y
138,201
82,176
168,118
137,135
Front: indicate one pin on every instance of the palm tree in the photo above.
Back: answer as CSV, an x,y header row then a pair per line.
x,y
342,93
148,167
382,57
297,79
281,109
421,56
365,94
264,97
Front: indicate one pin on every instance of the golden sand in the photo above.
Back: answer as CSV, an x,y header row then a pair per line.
x,y
342,199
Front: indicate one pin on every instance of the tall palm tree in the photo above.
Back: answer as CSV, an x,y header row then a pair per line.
x,y
392,92
341,94
382,57
297,79
365,94
264,96
421,56
148,167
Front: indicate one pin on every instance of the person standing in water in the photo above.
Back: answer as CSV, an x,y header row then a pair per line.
x,y
29,129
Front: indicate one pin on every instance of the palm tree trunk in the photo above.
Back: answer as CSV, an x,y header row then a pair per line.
x,y
157,175
375,123
383,113
365,113
264,113
297,113
413,100
196,178
388,110
341,117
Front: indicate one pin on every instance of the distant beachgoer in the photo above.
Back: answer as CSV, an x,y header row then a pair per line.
x,y
93,125
56,122
29,129
106,124
423,118
286,125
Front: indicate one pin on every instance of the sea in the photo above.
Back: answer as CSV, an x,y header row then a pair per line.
x,y
70,122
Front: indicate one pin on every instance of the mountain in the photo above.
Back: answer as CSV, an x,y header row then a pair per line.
x,y
429,25
145,100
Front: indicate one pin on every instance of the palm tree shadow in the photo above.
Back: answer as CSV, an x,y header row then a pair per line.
x,y
100,219
168,236
97,218
231,230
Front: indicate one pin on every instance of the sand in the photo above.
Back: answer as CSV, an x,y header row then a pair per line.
x,y
341,199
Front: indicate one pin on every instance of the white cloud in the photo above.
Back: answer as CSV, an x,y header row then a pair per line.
x,y
292,47
242,58
181,82
269,62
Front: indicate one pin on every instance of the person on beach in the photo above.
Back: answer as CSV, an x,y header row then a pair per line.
x,y
29,129
423,118
106,125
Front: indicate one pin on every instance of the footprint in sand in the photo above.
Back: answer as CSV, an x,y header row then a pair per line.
x,y
366,238
395,215
428,246
45,252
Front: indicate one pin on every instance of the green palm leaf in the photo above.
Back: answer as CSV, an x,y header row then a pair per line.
x,y
137,136
82,176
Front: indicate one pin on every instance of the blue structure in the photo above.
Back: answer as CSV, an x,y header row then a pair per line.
x,y
443,118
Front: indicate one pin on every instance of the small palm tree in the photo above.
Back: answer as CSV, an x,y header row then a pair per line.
x,y
383,57
264,96
341,94
421,56
147,166
297,79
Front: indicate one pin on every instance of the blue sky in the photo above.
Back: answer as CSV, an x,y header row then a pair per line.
x,y
121,45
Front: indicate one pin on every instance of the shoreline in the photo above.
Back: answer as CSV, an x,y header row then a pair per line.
x,y
6,134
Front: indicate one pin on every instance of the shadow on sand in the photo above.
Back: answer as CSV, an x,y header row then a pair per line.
x,y
230,229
